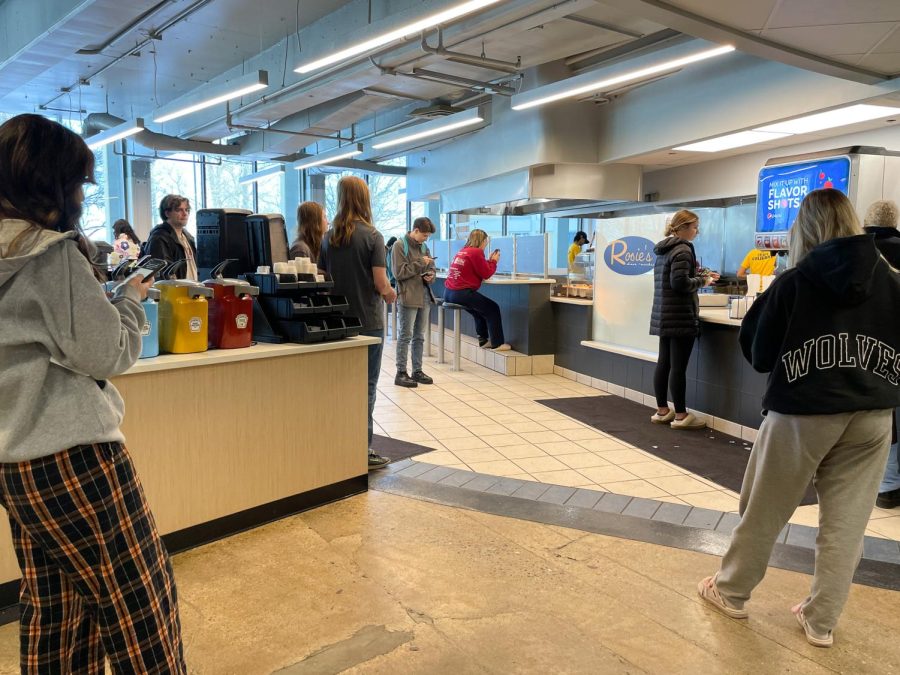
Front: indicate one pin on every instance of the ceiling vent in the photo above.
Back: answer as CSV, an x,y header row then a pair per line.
x,y
435,110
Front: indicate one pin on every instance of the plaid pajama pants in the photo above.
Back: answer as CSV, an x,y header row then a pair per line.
x,y
96,579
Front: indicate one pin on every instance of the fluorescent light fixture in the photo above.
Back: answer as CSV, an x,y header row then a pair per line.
x,y
335,155
802,125
832,118
116,133
428,129
730,141
446,16
213,95
558,90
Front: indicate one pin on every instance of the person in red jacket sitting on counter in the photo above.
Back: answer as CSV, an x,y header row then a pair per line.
x,y
468,269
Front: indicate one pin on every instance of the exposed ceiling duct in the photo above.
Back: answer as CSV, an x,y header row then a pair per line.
x,y
97,122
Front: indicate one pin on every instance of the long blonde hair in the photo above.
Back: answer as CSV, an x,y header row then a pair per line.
x,y
476,238
680,220
824,215
353,206
310,228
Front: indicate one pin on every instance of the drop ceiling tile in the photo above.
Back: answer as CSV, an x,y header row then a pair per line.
x,y
738,13
834,12
885,63
856,38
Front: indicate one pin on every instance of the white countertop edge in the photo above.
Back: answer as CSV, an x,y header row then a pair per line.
x,y
573,301
517,280
257,351
619,349
718,315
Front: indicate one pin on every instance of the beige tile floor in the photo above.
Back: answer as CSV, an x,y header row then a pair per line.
x,y
483,421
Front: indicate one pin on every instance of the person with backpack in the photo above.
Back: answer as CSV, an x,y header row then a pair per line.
x,y
413,269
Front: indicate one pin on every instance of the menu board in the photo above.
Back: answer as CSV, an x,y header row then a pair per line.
x,y
782,188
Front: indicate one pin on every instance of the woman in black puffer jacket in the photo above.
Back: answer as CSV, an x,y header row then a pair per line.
x,y
676,317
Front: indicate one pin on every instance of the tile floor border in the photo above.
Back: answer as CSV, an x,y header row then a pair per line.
x,y
637,518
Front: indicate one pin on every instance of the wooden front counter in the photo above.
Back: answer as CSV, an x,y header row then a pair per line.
x,y
226,439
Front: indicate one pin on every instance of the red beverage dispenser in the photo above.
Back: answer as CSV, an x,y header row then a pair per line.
x,y
230,310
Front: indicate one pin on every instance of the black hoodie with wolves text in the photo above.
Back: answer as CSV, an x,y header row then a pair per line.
x,y
827,332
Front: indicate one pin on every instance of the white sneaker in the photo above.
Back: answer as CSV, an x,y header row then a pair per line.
x,y
656,418
503,348
689,422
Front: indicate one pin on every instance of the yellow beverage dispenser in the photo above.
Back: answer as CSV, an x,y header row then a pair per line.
x,y
183,316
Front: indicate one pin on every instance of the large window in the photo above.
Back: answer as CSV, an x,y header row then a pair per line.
x,y
270,191
94,212
223,185
389,201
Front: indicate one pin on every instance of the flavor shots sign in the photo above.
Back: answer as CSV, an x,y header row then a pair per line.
x,y
630,255
782,188
623,283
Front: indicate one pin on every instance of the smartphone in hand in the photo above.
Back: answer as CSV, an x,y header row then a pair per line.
x,y
147,267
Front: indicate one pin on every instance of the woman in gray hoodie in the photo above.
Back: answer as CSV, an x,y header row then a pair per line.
x,y
96,579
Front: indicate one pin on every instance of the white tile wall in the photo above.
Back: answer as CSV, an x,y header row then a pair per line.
x,y
583,379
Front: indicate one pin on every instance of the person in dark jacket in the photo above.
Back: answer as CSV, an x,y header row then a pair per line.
x,y
881,220
169,240
826,332
675,317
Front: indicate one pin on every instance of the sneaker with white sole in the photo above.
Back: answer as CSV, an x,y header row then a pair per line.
x,y
688,422
708,590
813,638
503,348
656,418
377,461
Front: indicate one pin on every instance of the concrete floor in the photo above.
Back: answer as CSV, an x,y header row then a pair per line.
x,y
386,584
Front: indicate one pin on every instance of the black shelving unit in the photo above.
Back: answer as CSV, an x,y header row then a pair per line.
x,y
297,308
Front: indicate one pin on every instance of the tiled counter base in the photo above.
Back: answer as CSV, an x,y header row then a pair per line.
x,y
507,363
659,522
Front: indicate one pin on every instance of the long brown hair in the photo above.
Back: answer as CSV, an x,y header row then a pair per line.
x,y
43,167
353,206
310,228
823,215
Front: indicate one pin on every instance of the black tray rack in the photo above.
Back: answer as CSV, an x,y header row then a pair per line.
x,y
297,308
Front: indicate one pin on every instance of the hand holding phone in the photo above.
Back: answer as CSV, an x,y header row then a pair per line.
x,y
147,267
495,254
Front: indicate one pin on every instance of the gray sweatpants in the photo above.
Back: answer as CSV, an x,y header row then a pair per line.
x,y
845,455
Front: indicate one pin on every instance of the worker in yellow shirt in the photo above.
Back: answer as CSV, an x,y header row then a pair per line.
x,y
757,262
581,239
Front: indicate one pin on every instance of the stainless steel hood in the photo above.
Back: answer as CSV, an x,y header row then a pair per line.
x,y
546,188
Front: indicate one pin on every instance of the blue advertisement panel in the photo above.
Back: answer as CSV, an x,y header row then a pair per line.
x,y
782,188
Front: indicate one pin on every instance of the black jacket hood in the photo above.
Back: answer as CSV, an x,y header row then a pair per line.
x,y
846,268
669,243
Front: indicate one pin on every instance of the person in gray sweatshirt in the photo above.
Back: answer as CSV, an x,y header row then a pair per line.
x,y
413,268
96,578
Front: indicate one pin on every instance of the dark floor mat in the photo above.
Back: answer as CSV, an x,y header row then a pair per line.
x,y
395,449
715,456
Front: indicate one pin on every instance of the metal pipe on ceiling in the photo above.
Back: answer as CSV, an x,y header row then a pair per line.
x,y
155,35
305,83
469,59
122,32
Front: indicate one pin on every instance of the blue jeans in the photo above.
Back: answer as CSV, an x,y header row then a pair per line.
x,y
374,370
486,312
411,329
891,480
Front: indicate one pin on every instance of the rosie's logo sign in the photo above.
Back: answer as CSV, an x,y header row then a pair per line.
x,y
630,256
